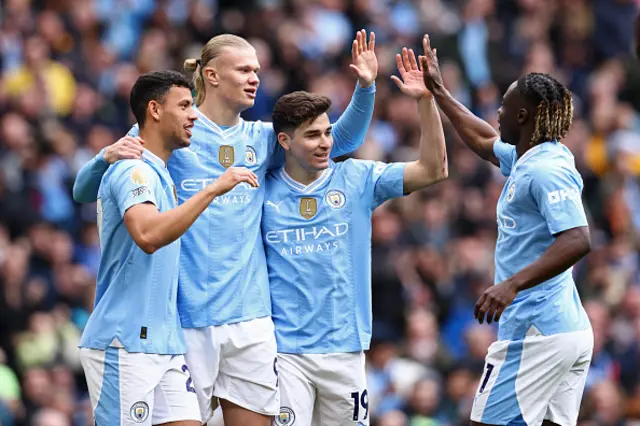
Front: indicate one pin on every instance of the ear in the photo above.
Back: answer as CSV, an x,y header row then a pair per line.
x,y
523,116
284,140
154,110
211,75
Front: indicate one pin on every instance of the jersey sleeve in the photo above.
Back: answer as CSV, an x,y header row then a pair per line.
x,y
557,193
385,181
134,182
87,183
351,128
506,155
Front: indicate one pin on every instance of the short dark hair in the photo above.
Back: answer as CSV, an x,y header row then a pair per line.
x,y
553,103
154,86
295,108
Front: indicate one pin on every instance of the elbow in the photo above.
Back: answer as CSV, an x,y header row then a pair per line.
x,y
146,244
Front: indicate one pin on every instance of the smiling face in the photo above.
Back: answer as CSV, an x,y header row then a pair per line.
x,y
176,117
311,144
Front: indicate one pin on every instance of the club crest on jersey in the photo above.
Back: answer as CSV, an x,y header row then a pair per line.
x,y
308,207
250,156
137,177
139,412
511,192
286,417
226,156
335,199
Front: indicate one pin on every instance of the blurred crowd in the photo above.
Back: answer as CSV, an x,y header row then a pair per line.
x,y
66,70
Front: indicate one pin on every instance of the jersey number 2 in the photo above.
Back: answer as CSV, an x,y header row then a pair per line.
x,y
190,388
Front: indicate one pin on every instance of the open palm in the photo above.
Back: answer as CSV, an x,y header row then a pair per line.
x,y
412,82
365,63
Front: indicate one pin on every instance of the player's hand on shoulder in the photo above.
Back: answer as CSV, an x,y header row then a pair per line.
x,y
430,67
232,177
363,55
411,82
494,301
126,148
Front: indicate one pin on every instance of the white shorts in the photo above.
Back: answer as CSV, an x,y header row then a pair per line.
x,y
535,379
235,362
138,389
323,390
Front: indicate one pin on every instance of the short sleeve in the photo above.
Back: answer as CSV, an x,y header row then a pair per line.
x,y
386,181
133,182
558,194
506,155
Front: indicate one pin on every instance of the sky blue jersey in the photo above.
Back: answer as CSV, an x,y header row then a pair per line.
x,y
541,198
223,271
136,293
318,243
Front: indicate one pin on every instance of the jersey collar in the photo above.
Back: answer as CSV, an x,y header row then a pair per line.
x,y
530,153
206,121
154,159
305,189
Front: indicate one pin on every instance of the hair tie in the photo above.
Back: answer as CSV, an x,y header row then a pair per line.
x,y
198,62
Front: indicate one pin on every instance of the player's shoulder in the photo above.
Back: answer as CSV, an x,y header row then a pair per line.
x,y
555,163
138,171
257,129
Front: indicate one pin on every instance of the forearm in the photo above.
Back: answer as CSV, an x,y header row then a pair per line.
x,y
476,133
87,183
431,166
568,248
351,128
164,228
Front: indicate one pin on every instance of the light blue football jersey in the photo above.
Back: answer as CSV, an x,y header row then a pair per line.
x,y
136,293
541,198
223,270
318,243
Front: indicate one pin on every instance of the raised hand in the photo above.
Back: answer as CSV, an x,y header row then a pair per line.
x,y
365,63
410,70
431,67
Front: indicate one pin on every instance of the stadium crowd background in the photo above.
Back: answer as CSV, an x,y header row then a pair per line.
x,y
67,67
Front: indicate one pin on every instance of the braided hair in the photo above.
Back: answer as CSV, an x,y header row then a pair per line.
x,y
554,106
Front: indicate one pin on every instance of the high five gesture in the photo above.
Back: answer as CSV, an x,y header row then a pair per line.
x,y
365,63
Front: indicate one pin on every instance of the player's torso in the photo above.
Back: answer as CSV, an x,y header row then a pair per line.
x,y
318,252
136,293
523,236
223,275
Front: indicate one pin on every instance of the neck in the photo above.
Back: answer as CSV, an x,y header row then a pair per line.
x,y
155,144
299,173
524,144
218,112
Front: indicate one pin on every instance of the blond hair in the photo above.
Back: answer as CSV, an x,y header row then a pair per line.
x,y
209,52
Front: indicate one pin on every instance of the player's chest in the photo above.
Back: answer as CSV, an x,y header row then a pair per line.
x,y
329,208
168,197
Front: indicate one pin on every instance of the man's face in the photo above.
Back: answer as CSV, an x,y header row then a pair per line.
x,y
237,77
312,142
177,116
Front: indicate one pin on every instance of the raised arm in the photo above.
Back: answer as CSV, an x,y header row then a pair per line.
x,y
351,128
431,167
152,230
85,187
476,133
